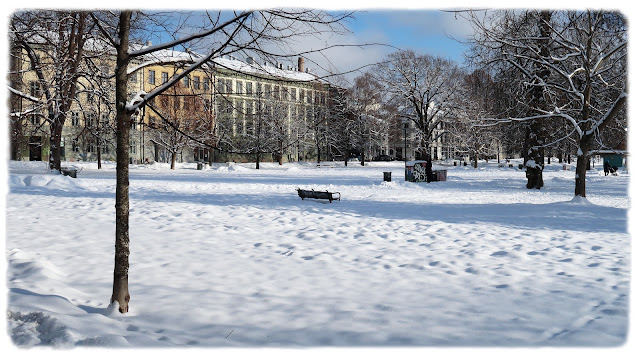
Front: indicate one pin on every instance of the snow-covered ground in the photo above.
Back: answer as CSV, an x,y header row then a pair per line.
x,y
232,257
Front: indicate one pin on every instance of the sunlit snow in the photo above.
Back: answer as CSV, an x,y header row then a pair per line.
x,y
230,256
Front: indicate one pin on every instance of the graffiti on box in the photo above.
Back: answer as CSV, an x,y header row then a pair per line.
x,y
417,172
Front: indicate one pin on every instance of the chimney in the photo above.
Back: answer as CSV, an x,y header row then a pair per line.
x,y
280,65
149,43
250,60
301,64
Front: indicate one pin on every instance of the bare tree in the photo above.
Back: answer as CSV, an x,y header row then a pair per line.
x,y
370,121
226,33
54,43
573,66
424,88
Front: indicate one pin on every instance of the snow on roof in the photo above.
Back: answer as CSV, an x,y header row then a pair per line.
x,y
232,64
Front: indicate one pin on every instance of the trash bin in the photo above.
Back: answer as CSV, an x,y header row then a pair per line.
x,y
387,176
441,175
200,165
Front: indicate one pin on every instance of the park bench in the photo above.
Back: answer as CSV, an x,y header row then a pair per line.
x,y
303,193
68,171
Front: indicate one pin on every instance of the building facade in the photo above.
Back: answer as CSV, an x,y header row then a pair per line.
x,y
228,110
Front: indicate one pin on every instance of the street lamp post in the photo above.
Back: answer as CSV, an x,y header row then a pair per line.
x,y
405,125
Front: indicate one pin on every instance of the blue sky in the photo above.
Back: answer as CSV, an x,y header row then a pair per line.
x,y
425,31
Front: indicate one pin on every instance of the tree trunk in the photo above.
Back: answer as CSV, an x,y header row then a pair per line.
x,y
475,159
581,173
54,144
98,151
120,292
173,160
534,161
258,160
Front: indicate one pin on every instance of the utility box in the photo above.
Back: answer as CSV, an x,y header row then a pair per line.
x,y
416,171
387,176
441,175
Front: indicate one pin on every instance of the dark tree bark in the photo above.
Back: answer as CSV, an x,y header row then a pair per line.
x,y
535,140
99,153
120,292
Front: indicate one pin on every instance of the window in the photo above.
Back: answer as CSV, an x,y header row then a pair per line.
x,y
239,87
220,86
34,89
186,81
229,88
91,148
74,146
152,77
259,89
309,94
133,77
249,88
196,82
206,83
239,108
88,119
132,147
75,119
276,92
301,95
165,77
293,94
35,120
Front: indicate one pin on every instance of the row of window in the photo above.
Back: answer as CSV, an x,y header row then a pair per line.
x,y
196,81
105,149
225,86
241,107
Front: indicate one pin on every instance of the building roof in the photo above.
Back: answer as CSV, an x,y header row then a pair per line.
x,y
230,63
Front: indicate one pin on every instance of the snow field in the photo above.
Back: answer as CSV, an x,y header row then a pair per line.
x,y
230,256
